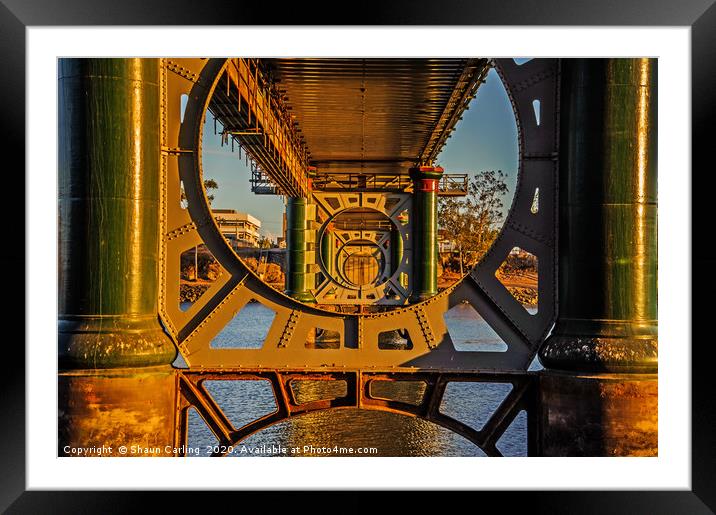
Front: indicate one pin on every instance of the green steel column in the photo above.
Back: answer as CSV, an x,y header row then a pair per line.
x,y
607,289
601,358
328,253
116,382
425,232
296,247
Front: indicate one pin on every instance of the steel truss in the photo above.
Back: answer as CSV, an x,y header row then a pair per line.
x,y
193,394
285,353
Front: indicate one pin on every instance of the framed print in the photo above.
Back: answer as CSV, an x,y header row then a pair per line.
x,y
371,268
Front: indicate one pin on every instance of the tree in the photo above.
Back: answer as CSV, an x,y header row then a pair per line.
x,y
264,242
472,223
209,184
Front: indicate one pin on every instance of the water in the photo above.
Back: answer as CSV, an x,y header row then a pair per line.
x,y
376,433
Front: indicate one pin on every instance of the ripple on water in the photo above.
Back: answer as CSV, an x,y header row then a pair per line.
x,y
391,434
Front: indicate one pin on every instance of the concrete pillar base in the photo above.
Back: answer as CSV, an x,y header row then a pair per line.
x,y
106,409
598,414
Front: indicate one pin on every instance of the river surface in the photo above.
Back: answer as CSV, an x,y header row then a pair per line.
x,y
375,433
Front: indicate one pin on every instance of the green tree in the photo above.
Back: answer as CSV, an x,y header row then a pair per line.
x,y
472,223
209,185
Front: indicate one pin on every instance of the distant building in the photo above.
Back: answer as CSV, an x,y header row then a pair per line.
x,y
240,229
445,244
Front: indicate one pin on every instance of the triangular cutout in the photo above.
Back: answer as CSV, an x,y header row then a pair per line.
x,y
199,437
519,61
535,366
519,274
179,362
198,270
247,330
243,401
534,208
513,441
536,107
470,332
473,403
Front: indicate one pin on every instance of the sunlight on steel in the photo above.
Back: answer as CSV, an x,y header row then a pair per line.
x,y
375,115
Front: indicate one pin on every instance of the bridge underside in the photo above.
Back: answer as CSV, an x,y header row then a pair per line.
x,y
339,119
342,127
376,116
117,387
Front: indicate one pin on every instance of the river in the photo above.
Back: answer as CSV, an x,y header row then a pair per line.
x,y
385,434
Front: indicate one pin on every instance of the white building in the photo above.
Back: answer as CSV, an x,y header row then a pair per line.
x,y
240,229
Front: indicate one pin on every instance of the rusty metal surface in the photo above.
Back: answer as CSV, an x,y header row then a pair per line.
x,y
102,410
598,414
358,394
285,343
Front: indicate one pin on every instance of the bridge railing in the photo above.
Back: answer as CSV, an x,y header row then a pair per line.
x,y
453,185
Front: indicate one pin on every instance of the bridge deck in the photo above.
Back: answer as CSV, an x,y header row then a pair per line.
x,y
344,117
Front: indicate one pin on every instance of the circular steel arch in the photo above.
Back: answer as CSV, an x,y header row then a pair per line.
x,y
379,261
321,232
389,280
538,151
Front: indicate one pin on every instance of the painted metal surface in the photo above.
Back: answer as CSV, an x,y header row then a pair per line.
x,y
608,286
425,232
193,394
99,411
297,253
108,214
608,414
115,382
252,112
386,290
284,346
375,115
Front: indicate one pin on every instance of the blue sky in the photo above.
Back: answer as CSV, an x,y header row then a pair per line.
x,y
485,139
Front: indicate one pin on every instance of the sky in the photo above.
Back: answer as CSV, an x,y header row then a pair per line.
x,y
485,139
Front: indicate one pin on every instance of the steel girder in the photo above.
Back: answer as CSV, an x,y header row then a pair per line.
x,y
284,346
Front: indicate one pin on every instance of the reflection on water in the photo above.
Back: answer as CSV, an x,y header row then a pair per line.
x,y
388,433
410,392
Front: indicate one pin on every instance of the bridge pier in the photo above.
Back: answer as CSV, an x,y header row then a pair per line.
x,y
297,251
116,383
425,232
599,389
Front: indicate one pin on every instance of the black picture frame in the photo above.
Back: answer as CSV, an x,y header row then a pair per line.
x,y
700,15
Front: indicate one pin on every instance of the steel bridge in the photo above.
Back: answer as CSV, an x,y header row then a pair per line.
x,y
351,144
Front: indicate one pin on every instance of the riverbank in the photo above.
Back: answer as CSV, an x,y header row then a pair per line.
x,y
521,285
